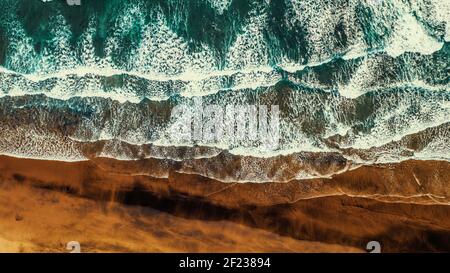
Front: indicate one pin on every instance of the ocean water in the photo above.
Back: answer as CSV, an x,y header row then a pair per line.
x,y
356,82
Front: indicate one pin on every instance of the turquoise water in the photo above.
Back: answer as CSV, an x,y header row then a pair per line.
x,y
365,79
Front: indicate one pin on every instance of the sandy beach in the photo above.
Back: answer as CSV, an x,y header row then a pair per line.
x,y
108,208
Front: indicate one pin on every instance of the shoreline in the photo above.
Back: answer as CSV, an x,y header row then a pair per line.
x,y
347,210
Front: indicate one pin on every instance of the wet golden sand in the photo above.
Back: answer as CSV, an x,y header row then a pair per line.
x,y
108,208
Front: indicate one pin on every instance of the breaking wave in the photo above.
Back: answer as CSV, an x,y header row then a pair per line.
x,y
357,81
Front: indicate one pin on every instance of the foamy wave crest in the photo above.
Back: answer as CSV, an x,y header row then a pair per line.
x,y
159,41
356,81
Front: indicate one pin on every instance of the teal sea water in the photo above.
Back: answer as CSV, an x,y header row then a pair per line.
x,y
356,81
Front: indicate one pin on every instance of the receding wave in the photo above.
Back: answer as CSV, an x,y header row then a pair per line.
x,y
356,82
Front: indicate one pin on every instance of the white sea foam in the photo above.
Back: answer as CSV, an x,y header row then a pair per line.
x,y
220,5
163,55
30,143
410,36
169,66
